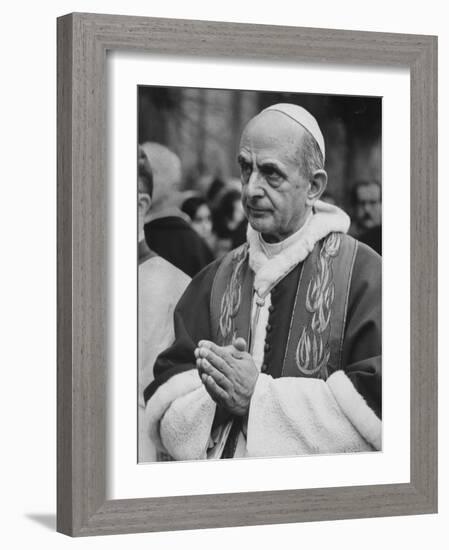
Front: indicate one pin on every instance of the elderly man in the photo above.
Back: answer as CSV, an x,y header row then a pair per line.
x,y
278,345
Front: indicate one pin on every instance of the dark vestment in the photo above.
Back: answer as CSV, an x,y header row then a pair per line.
x,y
361,349
340,414
239,234
174,240
373,238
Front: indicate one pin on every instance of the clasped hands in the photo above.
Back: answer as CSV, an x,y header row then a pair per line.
x,y
228,373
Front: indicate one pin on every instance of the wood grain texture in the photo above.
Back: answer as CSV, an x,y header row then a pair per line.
x,y
424,278
64,277
83,40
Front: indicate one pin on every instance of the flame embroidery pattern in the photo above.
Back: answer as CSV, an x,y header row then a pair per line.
x,y
232,296
312,352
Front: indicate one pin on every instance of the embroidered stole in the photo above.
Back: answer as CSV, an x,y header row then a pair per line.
x,y
315,339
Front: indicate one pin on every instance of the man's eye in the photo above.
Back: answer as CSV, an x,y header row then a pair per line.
x,y
271,173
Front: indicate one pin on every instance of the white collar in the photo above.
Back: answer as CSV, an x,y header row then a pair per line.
x,y
273,249
283,257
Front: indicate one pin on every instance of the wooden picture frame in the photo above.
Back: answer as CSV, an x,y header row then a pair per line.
x,y
83,40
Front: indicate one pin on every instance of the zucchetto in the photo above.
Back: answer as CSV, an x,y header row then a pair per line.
x,y
302,117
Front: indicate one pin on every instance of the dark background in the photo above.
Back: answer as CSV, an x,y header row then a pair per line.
x,y
203,126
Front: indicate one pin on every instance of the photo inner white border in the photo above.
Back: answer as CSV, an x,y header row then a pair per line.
x,y
126,478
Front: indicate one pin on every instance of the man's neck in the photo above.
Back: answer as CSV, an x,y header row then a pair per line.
x,y
273,248
279,237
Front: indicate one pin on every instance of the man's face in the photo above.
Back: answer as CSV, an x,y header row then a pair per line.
x,y
368,210
274,190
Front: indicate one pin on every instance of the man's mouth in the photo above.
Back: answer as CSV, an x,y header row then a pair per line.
x,y
257,210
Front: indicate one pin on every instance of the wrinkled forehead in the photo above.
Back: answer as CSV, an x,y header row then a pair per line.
x,y
272,133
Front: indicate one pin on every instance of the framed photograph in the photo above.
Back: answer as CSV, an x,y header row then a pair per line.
x,y
246,234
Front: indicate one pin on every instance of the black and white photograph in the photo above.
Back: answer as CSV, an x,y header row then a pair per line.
x,y
259,276
220,293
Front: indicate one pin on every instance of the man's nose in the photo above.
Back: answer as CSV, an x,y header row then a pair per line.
x,y
254,188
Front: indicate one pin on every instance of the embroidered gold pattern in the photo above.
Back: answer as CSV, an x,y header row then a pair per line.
x,y
312,352
232,296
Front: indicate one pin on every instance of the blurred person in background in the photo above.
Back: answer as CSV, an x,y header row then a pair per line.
x,y
214,192
367,213
201,218
168,231
229,221
160,287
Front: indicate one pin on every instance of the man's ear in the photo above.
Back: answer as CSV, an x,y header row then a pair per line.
x,y
317,185
144,203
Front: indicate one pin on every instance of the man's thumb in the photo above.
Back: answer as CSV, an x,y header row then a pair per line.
x,y
240,344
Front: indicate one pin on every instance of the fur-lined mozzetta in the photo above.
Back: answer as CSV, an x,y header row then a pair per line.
x,y
179,416
185,428
326,219
287,416
356,409
295,416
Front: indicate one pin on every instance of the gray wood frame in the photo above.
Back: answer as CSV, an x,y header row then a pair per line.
x,y
83,40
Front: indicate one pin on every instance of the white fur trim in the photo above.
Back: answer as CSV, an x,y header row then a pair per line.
x,y
326,219
176,387
186,426
356,409
298,416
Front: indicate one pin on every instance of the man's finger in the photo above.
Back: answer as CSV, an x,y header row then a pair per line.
x,y
221,351
217,393
216,361
240,344
219,378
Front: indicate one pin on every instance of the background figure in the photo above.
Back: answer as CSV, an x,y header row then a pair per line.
x,y
229,221
367,213
214,192
168,232
201,218
160,287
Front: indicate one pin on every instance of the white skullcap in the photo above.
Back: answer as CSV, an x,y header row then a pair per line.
x,y
302,117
